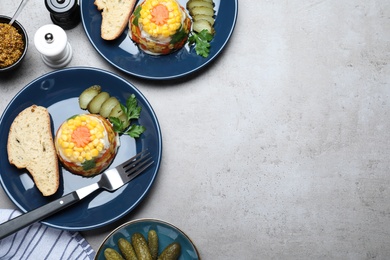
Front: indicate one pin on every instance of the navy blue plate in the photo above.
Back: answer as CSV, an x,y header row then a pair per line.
x,y
123,54
167,234
59,91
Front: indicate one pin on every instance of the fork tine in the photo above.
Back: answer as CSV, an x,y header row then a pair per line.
x,y
142,163
137,164
132,159
135,173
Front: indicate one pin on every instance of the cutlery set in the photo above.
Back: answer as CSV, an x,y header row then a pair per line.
x,y
111,180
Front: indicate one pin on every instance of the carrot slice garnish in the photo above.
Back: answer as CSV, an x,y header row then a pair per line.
x,y
160,14
81,136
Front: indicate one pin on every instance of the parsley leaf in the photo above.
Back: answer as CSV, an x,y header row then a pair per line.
x,y
117,124
137,15
178,36
202,42
135,130
88,165
131,112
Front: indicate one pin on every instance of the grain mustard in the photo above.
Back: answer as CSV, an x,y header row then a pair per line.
x,y
86,144
159,26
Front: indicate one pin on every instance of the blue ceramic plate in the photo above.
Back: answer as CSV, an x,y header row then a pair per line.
x,y
167,234
59,91
125,55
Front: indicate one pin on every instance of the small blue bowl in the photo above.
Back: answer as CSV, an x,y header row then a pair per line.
x,y
166,232
22,31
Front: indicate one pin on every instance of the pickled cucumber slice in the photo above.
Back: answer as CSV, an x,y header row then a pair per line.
x,y
201,25
198,3
202,10
87,95
107,106
116,111
208,18
96,103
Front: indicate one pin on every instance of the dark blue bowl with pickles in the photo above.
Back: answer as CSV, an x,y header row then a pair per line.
x,y
166,232
13,45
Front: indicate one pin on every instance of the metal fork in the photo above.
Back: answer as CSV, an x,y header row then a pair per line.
x,y
110,180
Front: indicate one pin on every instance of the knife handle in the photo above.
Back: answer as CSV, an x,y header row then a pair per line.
x,y
26,219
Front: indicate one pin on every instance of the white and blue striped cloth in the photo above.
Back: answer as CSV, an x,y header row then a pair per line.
x,y
41,242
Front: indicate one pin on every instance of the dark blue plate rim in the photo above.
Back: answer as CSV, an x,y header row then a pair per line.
x,y
139,64
125,200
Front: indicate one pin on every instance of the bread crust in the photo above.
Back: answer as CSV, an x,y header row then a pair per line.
x,y
115,16
30,145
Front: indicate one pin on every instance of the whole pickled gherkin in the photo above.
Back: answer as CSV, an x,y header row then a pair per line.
x,y
141,247
127,249
112,254
171,252
153,243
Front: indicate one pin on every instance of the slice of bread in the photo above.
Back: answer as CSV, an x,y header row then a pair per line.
x,y
115,16
30,145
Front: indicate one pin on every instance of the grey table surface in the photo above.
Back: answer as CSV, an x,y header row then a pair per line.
x,y
280,148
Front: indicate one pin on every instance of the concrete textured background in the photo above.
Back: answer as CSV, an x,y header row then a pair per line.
x,y
280,148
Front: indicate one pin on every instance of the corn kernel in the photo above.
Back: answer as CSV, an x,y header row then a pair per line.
x,y
95,142
88,156
99,147
94,152
68,152
78,149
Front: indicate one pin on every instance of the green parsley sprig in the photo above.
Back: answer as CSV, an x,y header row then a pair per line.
x,y
202,42
130,112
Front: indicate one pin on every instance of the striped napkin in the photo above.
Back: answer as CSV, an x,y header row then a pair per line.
x,y
41,242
